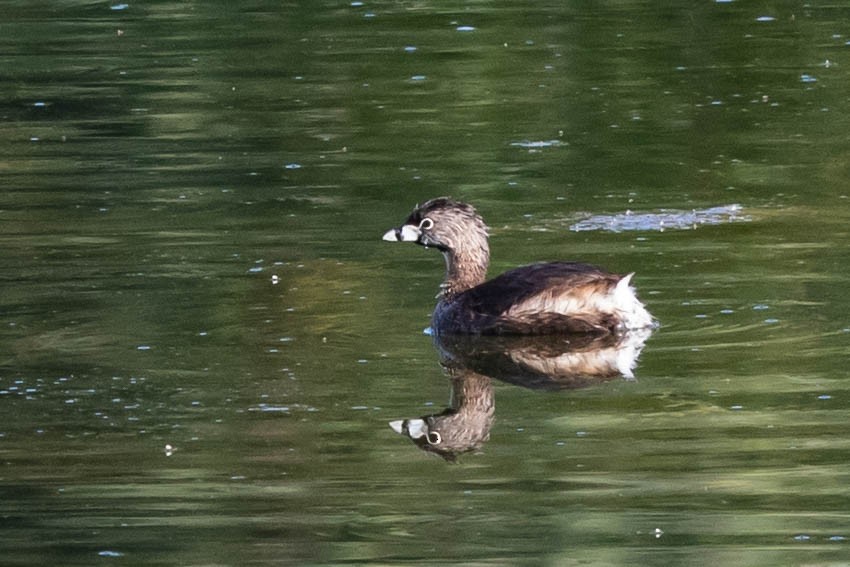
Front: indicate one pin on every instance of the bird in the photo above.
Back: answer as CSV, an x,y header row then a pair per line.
x,y
536,299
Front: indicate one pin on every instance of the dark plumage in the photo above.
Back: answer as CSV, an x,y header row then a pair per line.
x,y
546,298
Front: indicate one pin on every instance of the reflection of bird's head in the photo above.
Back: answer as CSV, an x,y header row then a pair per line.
x,y
443,434
419,431
463,427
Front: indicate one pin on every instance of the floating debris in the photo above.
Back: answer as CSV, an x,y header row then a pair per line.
x,y
663,220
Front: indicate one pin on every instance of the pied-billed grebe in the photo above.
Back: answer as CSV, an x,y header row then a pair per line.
x,y
546,298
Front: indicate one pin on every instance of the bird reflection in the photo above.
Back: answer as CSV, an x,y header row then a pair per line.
x,y
549,363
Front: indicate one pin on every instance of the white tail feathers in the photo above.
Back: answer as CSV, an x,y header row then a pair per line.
x,y
632,312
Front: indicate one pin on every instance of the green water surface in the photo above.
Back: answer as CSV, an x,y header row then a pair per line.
x,y
203,337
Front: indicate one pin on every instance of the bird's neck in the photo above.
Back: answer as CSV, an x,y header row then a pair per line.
x,y
466,267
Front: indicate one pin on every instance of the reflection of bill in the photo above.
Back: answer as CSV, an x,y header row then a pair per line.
x,y
542,363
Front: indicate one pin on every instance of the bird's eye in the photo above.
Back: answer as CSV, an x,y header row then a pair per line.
x,y
426,224
434,438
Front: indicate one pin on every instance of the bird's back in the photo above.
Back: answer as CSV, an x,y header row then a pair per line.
x,y
557,297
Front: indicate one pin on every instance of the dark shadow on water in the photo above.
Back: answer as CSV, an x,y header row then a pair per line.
x,y
550,363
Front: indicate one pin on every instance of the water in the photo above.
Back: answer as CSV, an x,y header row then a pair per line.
x,y
203,338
